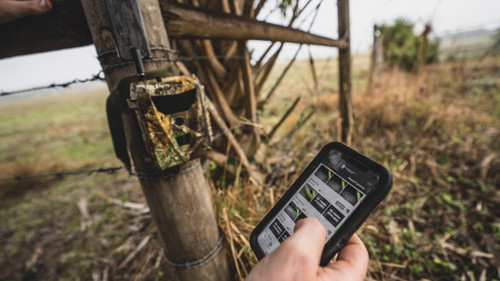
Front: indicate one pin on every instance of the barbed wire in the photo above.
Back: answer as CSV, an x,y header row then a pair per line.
x,y
172,59
110,170
95,77
100,75
89,172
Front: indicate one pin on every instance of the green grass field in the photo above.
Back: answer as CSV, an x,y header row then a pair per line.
x,y
437,131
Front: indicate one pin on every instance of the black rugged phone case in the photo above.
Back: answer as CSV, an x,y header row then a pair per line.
x,y
357,217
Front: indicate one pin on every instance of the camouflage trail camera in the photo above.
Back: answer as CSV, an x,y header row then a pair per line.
x,y
173,119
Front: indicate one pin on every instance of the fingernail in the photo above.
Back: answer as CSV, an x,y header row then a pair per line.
x,y
43,4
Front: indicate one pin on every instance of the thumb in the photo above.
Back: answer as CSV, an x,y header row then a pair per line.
x,y
309,236
297,258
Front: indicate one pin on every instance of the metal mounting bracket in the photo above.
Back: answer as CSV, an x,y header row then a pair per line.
x,y
128,29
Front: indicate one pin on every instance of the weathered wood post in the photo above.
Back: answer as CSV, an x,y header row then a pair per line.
x,y
180,204
345,103
378,49
376,60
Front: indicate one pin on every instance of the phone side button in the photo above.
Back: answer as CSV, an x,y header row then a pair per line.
x,y
341,244
338,246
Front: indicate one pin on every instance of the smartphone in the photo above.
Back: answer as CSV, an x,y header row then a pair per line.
x,y
340,187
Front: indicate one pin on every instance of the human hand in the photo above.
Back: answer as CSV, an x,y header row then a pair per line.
x,y
11,10
297,258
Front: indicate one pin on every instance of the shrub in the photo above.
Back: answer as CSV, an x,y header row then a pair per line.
x,y
404,49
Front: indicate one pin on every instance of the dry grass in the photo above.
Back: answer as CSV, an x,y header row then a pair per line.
x,y
438,134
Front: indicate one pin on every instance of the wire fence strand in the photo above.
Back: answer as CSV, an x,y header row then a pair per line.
x,y
88,172
96,77
100,75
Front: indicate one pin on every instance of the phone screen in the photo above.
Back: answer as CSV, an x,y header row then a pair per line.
x,y
331,193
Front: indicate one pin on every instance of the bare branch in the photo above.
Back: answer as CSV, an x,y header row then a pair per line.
x,y
278,81
287,113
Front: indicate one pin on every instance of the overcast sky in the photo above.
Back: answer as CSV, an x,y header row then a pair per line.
x,y
445,15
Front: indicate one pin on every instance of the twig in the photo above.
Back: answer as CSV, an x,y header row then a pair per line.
x,y
266,69
300,123
250,95
34,257
231,84
225,6
250,99
280,78
130,205
132,255
258,67
278,81
248,10
303,119
464,252
259,7
313,73
82,207
219,98
215,65
230,52
231,242
292,20
231,139
287,113
261,59
236,8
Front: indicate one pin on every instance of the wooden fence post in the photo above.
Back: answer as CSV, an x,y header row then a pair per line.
x,y
378,49
377,59
180,205
345,101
